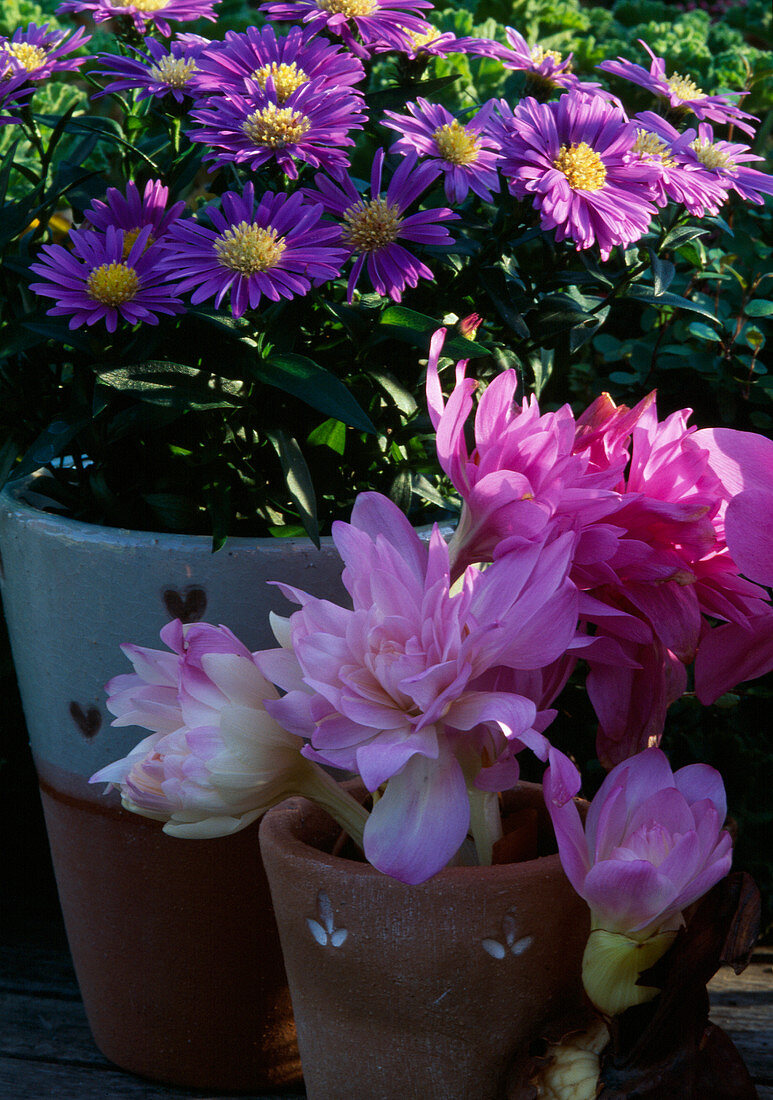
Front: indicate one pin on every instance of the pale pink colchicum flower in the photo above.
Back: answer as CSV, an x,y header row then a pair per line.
x,y
651,562
653,843
216,761
400,688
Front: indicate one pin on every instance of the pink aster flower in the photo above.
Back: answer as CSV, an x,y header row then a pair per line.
x,y
363,25
286,60
143,13
653,841
462,151
652,844
216,760
311,125
392,688
573,159
725,162
683,178
41,52
96,281
132,212
275,249
681,92
373,227
158,70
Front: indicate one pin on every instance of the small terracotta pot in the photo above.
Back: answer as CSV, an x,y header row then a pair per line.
x,y
433,990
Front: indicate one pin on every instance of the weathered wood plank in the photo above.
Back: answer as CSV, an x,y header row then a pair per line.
x,y
26,1080
47,1028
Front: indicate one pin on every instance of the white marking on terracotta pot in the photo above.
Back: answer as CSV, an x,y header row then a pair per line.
x,y
324,930
513,944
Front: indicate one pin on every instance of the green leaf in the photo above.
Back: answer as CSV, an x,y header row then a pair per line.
x,y
758,308
647,294
397,95
663,272
173,385
505,309
703,331
681,235
331,433
303,378
298,481
403,398
417,329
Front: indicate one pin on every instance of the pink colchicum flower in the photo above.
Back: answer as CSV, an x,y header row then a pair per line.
x,y
653,843
647,508
216,760
402,688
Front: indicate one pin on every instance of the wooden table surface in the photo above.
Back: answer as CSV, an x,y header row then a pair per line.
x,y
47,1053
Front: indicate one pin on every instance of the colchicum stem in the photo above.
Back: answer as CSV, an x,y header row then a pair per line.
x,y
612,964
331,796
485,823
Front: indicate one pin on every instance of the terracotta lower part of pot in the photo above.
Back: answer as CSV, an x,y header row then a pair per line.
x,y
433,991
174,944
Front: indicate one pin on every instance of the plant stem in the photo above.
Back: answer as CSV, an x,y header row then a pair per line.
x,y
331,796
485,823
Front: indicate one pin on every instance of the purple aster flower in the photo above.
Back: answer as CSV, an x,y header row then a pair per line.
x,y
288,61
545,69
156,71
15,88
143,12
372,227
430,42
682,176
681,92
381,24
276,249
725,161
41,52
311,125
461,150
573,157
132,213
96,282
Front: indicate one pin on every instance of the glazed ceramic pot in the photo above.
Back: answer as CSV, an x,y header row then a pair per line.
x,y
432,991
174,942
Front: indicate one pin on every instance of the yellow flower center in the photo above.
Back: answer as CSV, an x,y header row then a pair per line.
x,y
130,236
112,284
420,39
582,166
174,71
29,56
711,155
275,126
287,78
538,55
684,87
141,5
648,144
369,226
455,144
248,248
350,8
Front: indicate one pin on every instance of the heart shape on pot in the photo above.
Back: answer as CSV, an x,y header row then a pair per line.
x,y
88,721
187,605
